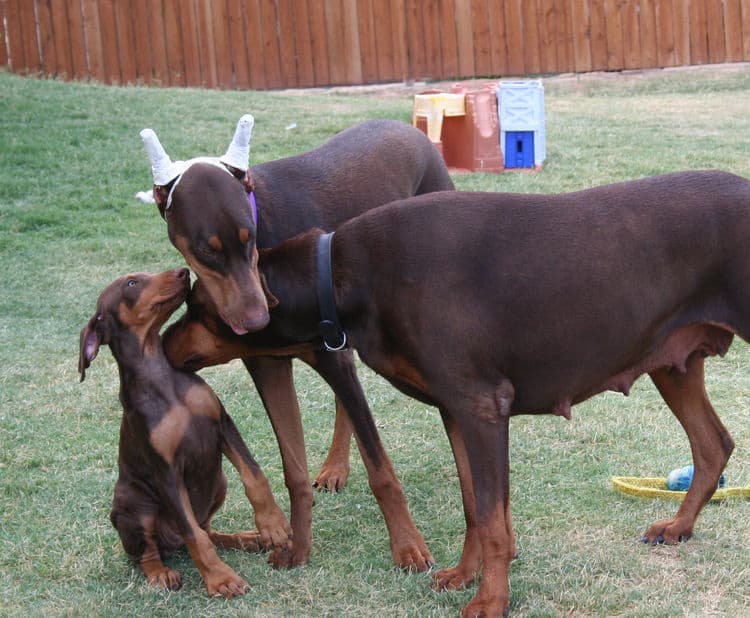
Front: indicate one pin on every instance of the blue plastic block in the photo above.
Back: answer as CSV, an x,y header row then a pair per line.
x,y
519,149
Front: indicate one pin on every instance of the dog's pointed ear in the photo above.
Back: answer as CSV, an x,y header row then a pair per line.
x,y
88,348
160,197
270,298
248,182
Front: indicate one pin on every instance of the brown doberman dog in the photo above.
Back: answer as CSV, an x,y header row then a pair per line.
x,y
211,220
173,433
492,305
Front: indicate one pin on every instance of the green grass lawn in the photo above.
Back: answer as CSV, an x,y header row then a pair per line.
x,y
70,162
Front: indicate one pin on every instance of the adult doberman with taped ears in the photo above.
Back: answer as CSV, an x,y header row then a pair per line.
x,y
219,211
491,305
173,433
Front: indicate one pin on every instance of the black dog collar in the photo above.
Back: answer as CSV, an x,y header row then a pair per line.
x,y
334,337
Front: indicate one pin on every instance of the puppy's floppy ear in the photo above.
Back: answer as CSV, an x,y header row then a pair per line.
x,y
91,339
270,298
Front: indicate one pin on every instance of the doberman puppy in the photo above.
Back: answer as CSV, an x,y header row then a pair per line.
x,y
212,221
491,305
173,433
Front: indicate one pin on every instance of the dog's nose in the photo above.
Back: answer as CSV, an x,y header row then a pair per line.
x,y
182,273
255,321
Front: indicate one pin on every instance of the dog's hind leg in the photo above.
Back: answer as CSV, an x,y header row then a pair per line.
x,y
334,472
470,563
483,422
710,443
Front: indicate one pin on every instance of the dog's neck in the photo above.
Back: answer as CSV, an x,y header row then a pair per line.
x,y
143,367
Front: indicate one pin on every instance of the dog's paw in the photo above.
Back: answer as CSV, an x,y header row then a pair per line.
x,y
413,556
288,559
332,477
166,579
275,530
451,579
223,582
669,532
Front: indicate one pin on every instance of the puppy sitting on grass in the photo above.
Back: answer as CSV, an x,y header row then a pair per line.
x,y
173,433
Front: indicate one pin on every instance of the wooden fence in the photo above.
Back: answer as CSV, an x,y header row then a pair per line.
x,y
262,44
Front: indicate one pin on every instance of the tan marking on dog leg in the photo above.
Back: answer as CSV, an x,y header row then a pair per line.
x,y
220,578
157,574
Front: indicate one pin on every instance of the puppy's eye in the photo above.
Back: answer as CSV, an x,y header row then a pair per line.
x,y
207,250
132,282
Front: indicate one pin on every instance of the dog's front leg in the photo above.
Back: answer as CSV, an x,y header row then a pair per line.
x,y
273,526
220,579
275,383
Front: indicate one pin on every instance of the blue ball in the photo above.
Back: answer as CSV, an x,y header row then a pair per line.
x,y
680,479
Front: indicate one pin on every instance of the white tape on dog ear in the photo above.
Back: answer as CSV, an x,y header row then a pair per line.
x,y
238,153
163,168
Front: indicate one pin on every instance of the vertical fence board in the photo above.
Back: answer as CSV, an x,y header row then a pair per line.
x,y
547,49
733,30
124,10
81,67
352,55
287,47
32,56
647,22
581,21
173,37
89,11
529,19
681,24
464,38
319,36
398,34
254,37
515,37
698,33
108,34
415,39
222,45
192,44
238,45
15,38
715,31
615,52
631,36
448,42
367,45
336,49
665,45
481,37
745,8
4,59
46,36
141,43
303,45
598,36
498,37
271,60
156,36
564,37
64,62
431,33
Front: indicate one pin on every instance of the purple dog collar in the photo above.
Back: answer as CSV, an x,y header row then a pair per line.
x,y
253,206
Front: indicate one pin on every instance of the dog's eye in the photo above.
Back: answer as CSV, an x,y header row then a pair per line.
x,y
132,282
207,250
